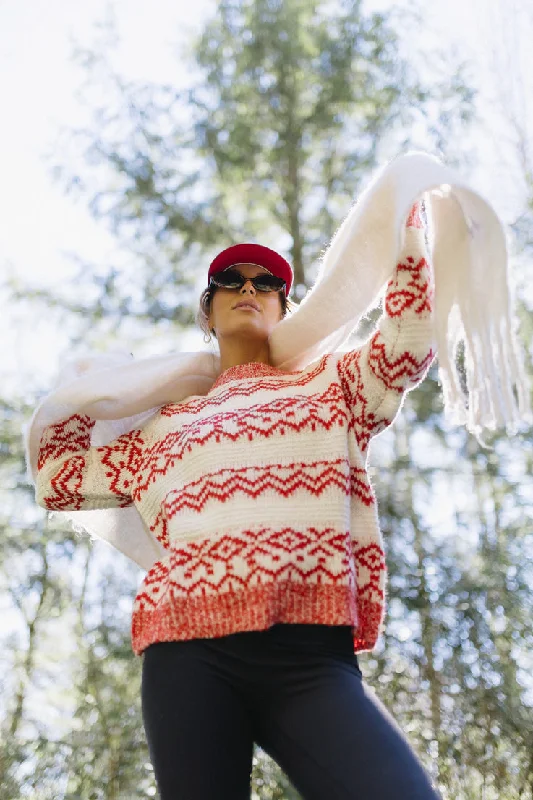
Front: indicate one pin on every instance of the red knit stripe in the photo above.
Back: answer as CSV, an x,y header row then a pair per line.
x,y
364,424
415,294
399,371
122,460
257,609
284,479
72,435
414,219
246,388
66,486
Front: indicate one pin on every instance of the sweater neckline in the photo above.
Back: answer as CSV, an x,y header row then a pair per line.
x,y
253,369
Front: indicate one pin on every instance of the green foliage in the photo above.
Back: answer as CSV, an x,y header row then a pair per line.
x,y
292,104
456,654
268,781
108,747
292,107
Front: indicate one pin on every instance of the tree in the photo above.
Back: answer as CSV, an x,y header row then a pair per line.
x,y
291,105
291,109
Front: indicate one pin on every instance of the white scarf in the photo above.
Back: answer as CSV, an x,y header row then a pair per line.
x,y
473,304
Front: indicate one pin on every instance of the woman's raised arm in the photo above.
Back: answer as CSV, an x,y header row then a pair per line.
x,y
376,377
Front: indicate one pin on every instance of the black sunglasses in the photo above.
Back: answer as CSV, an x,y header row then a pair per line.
x,y
232,279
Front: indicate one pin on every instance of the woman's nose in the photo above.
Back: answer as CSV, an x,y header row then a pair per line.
x,y
248,285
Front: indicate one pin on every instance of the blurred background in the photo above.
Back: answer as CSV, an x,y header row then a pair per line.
x,y
138,139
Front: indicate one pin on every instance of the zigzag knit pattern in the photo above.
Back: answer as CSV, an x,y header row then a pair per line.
x,y
259,491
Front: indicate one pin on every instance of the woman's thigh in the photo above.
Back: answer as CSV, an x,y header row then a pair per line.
x,y
197,726
334,738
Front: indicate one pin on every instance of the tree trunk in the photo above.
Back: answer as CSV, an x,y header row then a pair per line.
x,y
28,663
293,207
427,626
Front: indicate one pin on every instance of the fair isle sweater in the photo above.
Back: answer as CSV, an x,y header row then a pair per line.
x,y
259,490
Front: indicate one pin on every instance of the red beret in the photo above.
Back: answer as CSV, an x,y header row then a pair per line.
x,y
253,254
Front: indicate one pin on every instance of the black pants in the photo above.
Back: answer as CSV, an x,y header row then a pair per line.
x,y
298,692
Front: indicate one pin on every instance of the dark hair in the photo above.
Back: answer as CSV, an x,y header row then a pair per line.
x,y
206,297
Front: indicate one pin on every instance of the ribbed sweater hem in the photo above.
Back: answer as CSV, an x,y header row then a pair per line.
x,y
256,609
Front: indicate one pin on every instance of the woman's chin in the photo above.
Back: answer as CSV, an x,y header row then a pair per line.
x,y
246,326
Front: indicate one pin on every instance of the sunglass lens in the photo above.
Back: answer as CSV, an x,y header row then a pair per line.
x,y
231,279
267,283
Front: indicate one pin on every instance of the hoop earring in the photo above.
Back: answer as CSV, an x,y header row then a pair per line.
x,y
207,338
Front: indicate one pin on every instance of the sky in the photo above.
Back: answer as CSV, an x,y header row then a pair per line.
x,y
40,226
38,84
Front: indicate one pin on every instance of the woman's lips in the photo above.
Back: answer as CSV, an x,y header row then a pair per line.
x,y
245,307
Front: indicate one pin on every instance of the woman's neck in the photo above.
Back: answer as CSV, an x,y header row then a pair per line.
x,y
233,354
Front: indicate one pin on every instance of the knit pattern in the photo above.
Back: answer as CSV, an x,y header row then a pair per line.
x,y
259,491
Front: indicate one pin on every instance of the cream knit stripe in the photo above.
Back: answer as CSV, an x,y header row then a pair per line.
x,y
228,517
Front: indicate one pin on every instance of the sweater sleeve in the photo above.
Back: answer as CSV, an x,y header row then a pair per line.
x,y
73,476
376,377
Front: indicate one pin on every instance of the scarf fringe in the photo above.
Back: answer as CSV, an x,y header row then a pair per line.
x,y
472,294
473,307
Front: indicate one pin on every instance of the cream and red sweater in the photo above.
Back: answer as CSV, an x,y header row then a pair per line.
x,y
259,490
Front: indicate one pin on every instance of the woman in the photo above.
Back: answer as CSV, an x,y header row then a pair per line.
x,y
273,573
